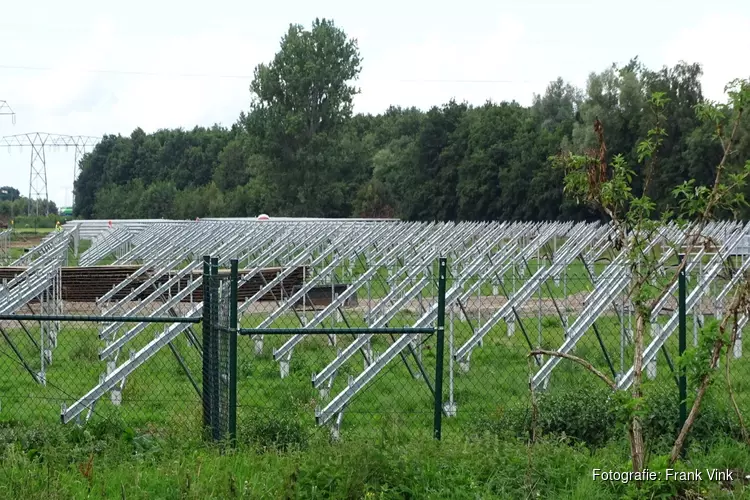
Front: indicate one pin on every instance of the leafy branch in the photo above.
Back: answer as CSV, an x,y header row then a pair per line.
x,y
740,302
609,189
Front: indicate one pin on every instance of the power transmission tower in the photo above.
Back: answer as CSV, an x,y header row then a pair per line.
x,y
38,142
5,109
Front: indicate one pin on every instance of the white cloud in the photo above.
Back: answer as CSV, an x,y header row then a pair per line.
x,y
721,44
436,68
74,100
55,92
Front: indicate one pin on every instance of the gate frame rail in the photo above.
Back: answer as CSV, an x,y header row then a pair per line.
x,y
234,331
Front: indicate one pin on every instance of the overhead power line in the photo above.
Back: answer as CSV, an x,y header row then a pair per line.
x,y
126,73
241,77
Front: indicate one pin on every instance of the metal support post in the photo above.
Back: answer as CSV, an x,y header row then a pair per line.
x,y
233,353
206,340
682,297
213,351
440,348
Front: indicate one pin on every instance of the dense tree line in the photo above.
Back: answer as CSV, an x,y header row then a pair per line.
x,y
301,151
13,205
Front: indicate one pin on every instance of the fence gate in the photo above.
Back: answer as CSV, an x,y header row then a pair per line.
x,y
220,353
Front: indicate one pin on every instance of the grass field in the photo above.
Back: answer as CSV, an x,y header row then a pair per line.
x,y
24,239
114,462
497,377
32,231
160,396
147,445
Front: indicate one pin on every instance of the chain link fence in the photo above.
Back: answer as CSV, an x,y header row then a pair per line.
x,y
330,356
341,348
68,380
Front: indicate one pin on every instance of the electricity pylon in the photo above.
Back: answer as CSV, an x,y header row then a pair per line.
x,y
38,142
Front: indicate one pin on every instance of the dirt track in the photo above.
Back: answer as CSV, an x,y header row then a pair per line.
x,y
484,307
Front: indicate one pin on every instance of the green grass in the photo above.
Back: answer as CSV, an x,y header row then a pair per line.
x,y
574,280
112,461
31,240
15,253
386,429
24,230
82,247
386,450
159,395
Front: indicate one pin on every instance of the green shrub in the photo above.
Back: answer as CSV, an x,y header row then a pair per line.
x,y
589,415
585,415
40,222
551,322
662,422
269,431
29,439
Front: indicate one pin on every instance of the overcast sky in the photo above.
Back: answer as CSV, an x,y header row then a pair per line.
x,y
94,68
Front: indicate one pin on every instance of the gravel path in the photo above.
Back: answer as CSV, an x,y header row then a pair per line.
x,y
485,307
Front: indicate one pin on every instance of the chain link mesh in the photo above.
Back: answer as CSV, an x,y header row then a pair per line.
x,y
277,403
219,356
509,292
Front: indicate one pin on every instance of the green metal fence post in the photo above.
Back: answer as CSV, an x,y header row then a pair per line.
x,y
233,353
682,331
214,350
206,341
440,348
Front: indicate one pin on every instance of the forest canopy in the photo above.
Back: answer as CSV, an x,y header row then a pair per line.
x,y
300,150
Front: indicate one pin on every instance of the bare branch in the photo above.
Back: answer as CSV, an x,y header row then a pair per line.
x,y
738,300
728,378
578,360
